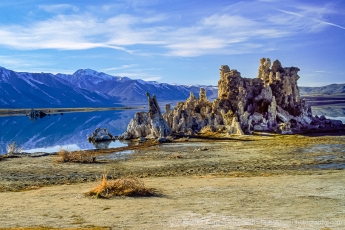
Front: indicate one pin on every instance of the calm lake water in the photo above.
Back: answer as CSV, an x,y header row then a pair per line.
x,y
67,131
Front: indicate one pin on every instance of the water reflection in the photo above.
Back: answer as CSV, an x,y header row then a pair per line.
x,y
101,145
34,114
115,156
68,131
342,119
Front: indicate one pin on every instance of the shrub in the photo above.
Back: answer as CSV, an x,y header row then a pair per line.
x,y
76,156
13,149
129,186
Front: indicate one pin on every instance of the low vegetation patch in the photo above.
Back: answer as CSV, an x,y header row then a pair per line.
x,y
128,186
76,156
13,149
176,156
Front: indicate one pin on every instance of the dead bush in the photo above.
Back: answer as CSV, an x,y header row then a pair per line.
x,y
128,186
78,156
13,149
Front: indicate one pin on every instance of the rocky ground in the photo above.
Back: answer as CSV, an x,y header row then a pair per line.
x,y
262,181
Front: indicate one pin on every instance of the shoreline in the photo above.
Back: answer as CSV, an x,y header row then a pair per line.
x,y
278,182
25,111
315,152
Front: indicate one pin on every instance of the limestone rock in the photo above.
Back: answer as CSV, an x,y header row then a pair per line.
x,y
100,135
33,114
159,127
269,102
150,125
285,128
208,129
235,128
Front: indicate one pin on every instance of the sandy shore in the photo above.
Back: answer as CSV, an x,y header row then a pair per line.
x,y
257,182
277,202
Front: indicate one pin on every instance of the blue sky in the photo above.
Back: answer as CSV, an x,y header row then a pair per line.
x,y
174,41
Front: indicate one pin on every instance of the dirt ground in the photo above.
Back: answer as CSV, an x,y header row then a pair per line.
x,y
252,182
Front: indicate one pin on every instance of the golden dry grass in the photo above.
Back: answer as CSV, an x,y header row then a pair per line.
x,y
129,186
206,176
175,156
13,148
76,156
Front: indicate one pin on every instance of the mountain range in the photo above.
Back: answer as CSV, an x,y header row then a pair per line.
x,y
328,89
89,88
85,88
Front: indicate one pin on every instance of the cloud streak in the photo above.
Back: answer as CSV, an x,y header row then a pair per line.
x,y
58,8
228,32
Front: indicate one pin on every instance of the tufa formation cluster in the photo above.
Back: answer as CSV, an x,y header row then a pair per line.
x,y
270,102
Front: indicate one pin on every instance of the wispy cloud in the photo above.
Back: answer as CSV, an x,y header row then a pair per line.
x,y
152,78
331,24
156,18
138,75
31,63
322,71
228,32
309,17
20,62
121,67
134,71
58,8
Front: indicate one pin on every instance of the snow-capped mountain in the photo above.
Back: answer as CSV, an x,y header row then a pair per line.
x,y
85,88
25,90
89,79
130,90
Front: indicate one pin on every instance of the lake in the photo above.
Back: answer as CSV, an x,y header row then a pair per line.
x,y
68,131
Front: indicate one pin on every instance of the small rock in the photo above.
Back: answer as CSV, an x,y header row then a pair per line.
x,y
162,140
100,134
142,139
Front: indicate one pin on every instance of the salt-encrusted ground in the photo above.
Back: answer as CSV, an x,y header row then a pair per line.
x,y
265,182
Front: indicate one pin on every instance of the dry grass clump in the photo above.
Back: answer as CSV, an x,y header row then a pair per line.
x,y
13,149
129,186
78,156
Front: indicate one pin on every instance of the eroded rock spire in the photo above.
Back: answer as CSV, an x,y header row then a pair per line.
x,y
269,102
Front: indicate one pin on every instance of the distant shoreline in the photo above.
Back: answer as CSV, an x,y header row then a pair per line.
x,y
25,111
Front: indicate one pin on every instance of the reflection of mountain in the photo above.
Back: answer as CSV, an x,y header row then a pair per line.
x,y
70,128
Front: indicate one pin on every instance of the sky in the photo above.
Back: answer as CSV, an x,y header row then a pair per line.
x,y
174,41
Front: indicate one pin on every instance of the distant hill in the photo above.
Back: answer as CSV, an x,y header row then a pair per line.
x,y
85,88
25,90
89,88
132,90
328,89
